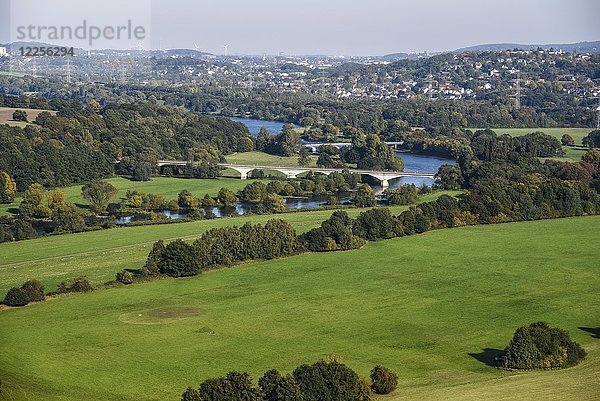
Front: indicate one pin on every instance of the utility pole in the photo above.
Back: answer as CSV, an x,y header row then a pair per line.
x,y
430,81
598,115
518,94
68,70
323,84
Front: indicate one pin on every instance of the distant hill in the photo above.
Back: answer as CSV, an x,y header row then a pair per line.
x,y
580,47
395,57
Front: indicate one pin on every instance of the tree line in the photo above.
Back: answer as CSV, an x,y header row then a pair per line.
x,y
325,380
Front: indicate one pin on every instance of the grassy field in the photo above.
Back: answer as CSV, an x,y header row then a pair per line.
x,y
101,254
577,133
265,159
572,154
7,112
166,186
432,307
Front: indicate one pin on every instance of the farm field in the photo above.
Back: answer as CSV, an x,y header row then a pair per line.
x,y
169,187
7,112
433,307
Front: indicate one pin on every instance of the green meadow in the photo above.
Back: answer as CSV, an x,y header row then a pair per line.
x,y
577,133
99,255
264,159
434,307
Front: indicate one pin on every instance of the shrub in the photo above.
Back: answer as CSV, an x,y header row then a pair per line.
x,y
383,381
81,284
16,297
539,346
34,290
125,277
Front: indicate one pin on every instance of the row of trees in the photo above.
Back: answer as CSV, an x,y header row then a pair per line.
x,y
222,247
322,381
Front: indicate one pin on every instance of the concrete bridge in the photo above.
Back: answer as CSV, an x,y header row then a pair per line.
x,y
384,177
314,146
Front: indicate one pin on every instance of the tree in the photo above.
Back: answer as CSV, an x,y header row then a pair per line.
x,y
254,192
364,196
287,143
151,268
99,194
383,380
8,188
376,224
5,234
141,171
16,297
263,140
273,203
34,290
179,259
407,194
56,199
94,106
334,234
449,177
68,219
275,387
186,200
235,386
19,115
592,140
24,230
567,140
227,197
304,159
32,203
330,381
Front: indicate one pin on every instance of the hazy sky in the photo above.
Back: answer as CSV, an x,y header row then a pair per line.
x,y
339,27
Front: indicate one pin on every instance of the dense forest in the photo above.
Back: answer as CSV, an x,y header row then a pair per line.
x,y
81,144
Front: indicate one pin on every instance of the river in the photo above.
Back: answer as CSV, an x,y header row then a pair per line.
x,y
254,126
413,162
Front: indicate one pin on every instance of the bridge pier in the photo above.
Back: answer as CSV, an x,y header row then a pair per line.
x,y
385,184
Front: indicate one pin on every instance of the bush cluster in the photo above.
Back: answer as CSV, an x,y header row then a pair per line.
x,y
539,346
321,381
79,284
30,291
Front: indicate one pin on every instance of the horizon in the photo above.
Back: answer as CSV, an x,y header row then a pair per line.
x,y
518,46
335,28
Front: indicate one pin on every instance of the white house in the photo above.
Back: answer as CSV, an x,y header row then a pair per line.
x,y
3,52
